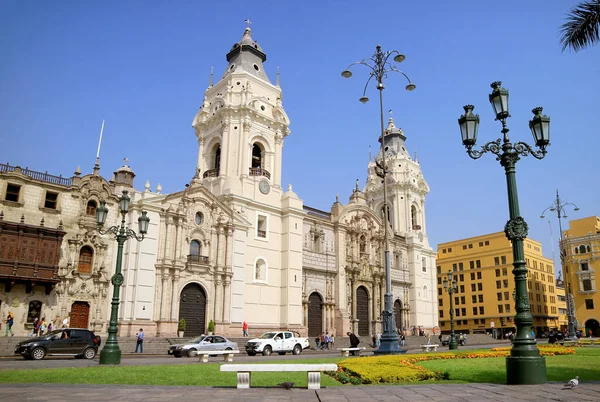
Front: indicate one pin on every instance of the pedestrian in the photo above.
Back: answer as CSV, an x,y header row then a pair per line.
x,y
354,341
139,341
10,320
49,327
440,337
327,340
36,327
245,329
323,343
317,342
43,326
464,339
378,339
331,340
461,339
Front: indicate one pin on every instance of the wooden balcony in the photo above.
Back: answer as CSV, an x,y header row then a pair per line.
x,y
259,172
211,173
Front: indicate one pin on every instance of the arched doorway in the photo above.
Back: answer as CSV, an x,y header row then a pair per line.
x,y
362,311
592,328
315,314
398,314
192,308
79,316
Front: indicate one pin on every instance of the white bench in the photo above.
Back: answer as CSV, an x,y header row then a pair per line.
x,y
313,370
346,351
203,354
427,348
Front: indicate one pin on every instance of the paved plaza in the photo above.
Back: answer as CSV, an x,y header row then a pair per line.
x,y
436,392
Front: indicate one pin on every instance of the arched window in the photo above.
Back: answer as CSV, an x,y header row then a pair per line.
x,y
260,270
195,247
413,217
86,257
91,208
425,292
34,311
257,161
576,250
582,249
363,244
218,159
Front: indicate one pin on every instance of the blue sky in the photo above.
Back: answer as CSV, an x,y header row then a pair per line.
x,y
143,66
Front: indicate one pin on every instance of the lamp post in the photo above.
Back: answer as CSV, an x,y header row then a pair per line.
x,y
525,365
451,286
111,354
559,207
380,66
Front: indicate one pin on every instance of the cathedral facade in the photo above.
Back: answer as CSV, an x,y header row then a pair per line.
x,y
234,245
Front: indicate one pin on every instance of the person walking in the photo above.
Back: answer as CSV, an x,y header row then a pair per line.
x,y
43,326
36,327
354,341
10,320
139,341
245,329
402,339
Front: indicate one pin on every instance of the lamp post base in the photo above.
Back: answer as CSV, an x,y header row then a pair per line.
x,y
389,347
111,354
453,345
524,370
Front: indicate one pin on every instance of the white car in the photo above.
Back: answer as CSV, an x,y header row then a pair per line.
x,y
204,342
277,341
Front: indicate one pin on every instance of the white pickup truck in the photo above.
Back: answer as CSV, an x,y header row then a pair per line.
x,y
278,341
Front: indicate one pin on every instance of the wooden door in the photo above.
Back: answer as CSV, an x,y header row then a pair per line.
x,y
192,308
315,315
398,314
362,311
80,312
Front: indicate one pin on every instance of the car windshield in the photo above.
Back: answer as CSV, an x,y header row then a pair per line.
x,y
198,339
268,335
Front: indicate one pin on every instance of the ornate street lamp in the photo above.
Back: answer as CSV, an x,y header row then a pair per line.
x,y
559,207
525,365
380,66
451,286
111,354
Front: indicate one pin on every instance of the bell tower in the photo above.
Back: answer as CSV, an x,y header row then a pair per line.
x,y
406,186
241,125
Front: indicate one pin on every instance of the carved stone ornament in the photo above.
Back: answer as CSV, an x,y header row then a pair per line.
x,y
516,229
117,279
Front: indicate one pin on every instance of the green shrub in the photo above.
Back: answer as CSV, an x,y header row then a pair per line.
x,y
181,326
211,326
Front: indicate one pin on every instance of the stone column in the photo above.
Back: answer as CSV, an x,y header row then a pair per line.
x,y
174,297
276,173
227,300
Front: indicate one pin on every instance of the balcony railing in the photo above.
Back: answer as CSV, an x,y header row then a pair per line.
x,y
261,233
259,172
211,173
416,227
48,178
197,259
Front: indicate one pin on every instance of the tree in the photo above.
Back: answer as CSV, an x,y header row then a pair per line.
x,y
582,27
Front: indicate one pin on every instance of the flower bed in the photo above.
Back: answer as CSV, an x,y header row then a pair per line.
x,y
403,368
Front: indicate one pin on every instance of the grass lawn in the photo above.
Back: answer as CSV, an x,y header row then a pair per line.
x,y
490,370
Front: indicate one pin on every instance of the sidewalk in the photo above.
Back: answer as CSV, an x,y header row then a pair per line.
x,y
588,391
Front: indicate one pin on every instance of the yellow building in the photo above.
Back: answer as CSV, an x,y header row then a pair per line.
x,y
484,300
581,247
561,304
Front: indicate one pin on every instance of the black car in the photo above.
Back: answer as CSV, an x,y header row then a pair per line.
x,y
77,342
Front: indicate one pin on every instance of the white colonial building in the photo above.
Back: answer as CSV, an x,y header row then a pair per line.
x,y
234,245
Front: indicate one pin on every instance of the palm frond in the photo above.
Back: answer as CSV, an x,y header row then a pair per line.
x,y
582,28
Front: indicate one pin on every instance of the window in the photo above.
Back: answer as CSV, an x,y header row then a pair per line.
x,y
487,242
441,302
439,280
34,311
454,267
472,264
472,276
91,208
505,283
498,284
496,261
506,296
461,278
363,244
474,310
463,311
499,295
470,245
582,249
439,270
589,304
464,247
480,298
457,312
480,244
500,308
456,300
424,264
199,219
503,260
462,288
50,201
12,192
450,249
587,285
462,300
473,287
257,161
481,310
262,228
478,275
86,257
439,291
507,308
497,272
195,247
460,266
585,266
474,299
480,286
441,313
478,263
504,272
217,159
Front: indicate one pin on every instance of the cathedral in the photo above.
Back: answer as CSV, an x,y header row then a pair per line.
x,y
233,246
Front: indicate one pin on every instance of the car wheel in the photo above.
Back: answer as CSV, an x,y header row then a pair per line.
x,y
190,352
89,353
297,350
228,349
267,351
281,353
251,353
38,353
177,355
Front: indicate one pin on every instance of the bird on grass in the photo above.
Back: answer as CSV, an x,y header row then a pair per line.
x,y
286,385
573,383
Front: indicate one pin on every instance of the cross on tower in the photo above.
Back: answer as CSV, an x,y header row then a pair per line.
x,y
126,161
247,21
